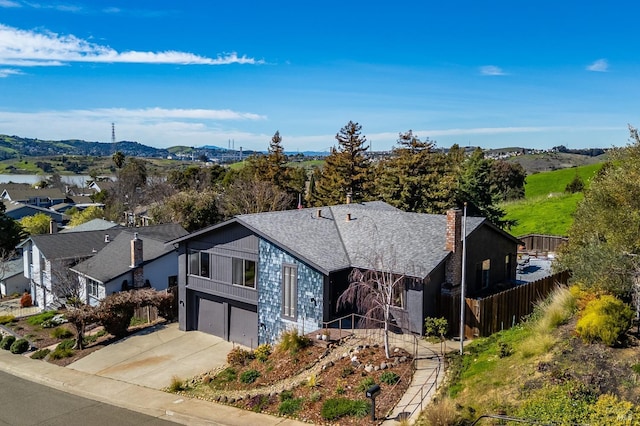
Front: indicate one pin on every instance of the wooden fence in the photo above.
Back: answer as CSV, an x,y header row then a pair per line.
x,y
150,313
500,311
542,243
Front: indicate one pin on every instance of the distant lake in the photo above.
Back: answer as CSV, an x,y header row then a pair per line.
x,y
79,180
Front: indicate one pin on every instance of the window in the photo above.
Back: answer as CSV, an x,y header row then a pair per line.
x,y
289,291
397,298
507,267
486,268
243,272
93,288
199,263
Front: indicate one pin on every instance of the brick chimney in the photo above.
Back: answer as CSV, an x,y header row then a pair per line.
x,y
136,261
453,244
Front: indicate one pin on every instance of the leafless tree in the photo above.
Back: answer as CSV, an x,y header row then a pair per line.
x,y
65,283
5,257
374,292
79,317
253,196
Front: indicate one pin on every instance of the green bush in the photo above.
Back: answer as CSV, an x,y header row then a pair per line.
x,y
249,376
289,406
262,352
286,394
19,346
38,319
227,375
92,338
6,319
568,403
291,341
137,321
66,344
609,410
6,342
604,319
504,350
60,353
435,327
334,408
389,377
40,353
61,333
365,384
239,357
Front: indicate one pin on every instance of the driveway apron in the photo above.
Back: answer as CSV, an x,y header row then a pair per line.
x,y
152,357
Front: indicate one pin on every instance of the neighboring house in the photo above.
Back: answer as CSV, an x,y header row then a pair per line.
x,y
17,211
92,225
12,279
49,259
27,194
137,257
252,277
101,185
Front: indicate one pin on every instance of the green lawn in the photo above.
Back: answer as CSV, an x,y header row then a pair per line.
x,y
546,208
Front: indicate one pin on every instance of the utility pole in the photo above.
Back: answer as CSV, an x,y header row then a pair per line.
x,y
463,303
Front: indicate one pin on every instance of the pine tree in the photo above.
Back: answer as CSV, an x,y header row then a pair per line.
x,y
346,170
10,232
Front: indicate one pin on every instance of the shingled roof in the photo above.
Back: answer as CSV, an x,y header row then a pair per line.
x,y
366,235
72,245
114,260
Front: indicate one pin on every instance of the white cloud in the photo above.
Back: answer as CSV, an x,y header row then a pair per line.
x,y
6,72
9,3
491,70
31,48
601,65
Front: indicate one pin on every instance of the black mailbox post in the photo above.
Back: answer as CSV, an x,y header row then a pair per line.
x,y
371,393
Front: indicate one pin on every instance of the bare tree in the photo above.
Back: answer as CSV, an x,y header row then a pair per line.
x,y
253,196
65,284
79,317
374,293
5,257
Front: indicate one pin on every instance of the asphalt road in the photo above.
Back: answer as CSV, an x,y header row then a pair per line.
x,y
24,403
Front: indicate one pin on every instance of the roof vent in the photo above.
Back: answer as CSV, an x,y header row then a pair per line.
x,y
319,212
106,238
348,217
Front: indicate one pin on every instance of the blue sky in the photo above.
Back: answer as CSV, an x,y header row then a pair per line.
x,y
492,73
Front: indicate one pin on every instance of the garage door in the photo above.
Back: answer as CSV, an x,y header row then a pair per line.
x,y
211,317
243,327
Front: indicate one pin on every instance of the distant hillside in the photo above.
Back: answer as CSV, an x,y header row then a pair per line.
x,y
14,146
548,161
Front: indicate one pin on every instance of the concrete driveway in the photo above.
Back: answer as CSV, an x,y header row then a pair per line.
x,y
152,357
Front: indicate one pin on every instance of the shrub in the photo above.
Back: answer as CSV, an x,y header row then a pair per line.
x,y
60,353
66,344
115,312
334,408
91,338
312,381
19,346
504,350
440,413
257,402
176,384
137,321
346,372
289,406
555,310
61,333
262,352
38,319
291,341
286,394
567,403
249,376
365,384
239,357
609,410
26,300
54,321
316,396
227,375
6,319
389,377
636,368
6,342
604,319
40,353
435,327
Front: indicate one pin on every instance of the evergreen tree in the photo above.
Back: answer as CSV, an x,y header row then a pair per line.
x,y
476,190
346,170
11,232
416,178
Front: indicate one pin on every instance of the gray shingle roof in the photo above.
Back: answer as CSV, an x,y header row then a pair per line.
x,y
376,236
92,225
114,259
72,245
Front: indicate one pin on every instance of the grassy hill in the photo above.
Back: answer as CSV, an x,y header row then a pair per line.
x,y
540,370
546,208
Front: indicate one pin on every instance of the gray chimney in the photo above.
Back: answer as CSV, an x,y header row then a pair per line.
x,y
136,261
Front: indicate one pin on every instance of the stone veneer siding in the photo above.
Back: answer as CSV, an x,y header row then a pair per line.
x,y
310,285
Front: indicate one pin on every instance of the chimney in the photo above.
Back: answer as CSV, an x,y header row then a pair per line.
x,y
348,217
53,226
136,261
453,244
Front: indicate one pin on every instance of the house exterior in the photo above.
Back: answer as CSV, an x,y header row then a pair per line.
x,y
253,277
17,211
12,280
136,258
26,194
54,261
